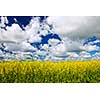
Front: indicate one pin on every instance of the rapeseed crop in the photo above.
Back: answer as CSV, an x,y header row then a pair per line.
x,y
50,72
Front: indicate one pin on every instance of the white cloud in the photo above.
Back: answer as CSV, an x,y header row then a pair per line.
x,y
44,29
13,34
41,52
67,49
45,47
84,54
24,46
14,28
73,54
75,27
3,21
73,30
43,32
17,55
96,56
96,41
15,39
53,41
90,47
72,46
58,50
33,27
65,46
55,58
1,52
35,38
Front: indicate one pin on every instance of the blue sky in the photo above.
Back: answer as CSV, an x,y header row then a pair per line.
x,y
56,38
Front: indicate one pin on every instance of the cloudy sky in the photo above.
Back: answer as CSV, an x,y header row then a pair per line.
x,y
56,38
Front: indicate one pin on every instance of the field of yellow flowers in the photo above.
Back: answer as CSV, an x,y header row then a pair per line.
x,y
50,72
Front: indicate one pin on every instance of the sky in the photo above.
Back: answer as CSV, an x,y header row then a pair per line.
x,y
55,38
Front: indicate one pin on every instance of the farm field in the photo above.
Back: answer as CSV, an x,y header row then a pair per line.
x,y
50,72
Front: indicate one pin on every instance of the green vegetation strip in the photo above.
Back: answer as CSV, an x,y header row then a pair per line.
x,y
50,72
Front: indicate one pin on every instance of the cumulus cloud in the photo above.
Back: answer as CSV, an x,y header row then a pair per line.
x,y
1,52
41,52
72,30
34,26
71,45
44,32
75,27
14,37
35,38
96,56
13,34
90,47
53,41
67,49
18,41
59,50
3,21
24,46
45,47
85,55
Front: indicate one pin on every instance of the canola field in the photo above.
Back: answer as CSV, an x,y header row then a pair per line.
x,y
50,72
